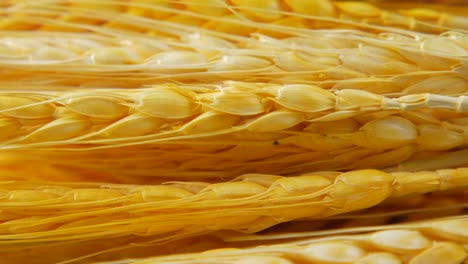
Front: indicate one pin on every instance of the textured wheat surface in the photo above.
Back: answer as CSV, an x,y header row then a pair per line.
x,y
381,63
437,241
416,207
168,112
237,16
405,208
390,63
35,212
237,127
243,121
396,210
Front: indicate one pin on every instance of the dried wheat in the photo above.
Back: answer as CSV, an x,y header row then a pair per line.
x,y
168,112
34,212
438,241
240,16
103,61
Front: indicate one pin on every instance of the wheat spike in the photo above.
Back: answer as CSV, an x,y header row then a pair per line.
x,y
437,241
402,63
250,203
392,211
239,17
331,118
171,111
170,131
198,125
175,130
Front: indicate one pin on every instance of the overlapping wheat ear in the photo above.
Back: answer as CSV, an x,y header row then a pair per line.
x,y
436,241
239,16
34,212
170,112
212,137
339,58
234,128
401,210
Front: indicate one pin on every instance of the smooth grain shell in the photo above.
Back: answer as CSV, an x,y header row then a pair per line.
x,y
454,230
114,56
97,106
299,185
441,252
443,46
210,122
442,85
400,241
296,61
167,103
209,7
433,137
132,126
314,8
380,258
172,61
91,195
27,110
59,129
240,62
386,133
333,252
351,99
234,103
29,196
359,189
266,10
232,190
52,54
301,97
161,193
375,65
276,121
361,9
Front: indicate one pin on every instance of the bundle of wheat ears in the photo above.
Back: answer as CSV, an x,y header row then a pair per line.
x,y
233,131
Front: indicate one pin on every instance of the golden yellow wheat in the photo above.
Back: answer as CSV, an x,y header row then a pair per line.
x,y
238,131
